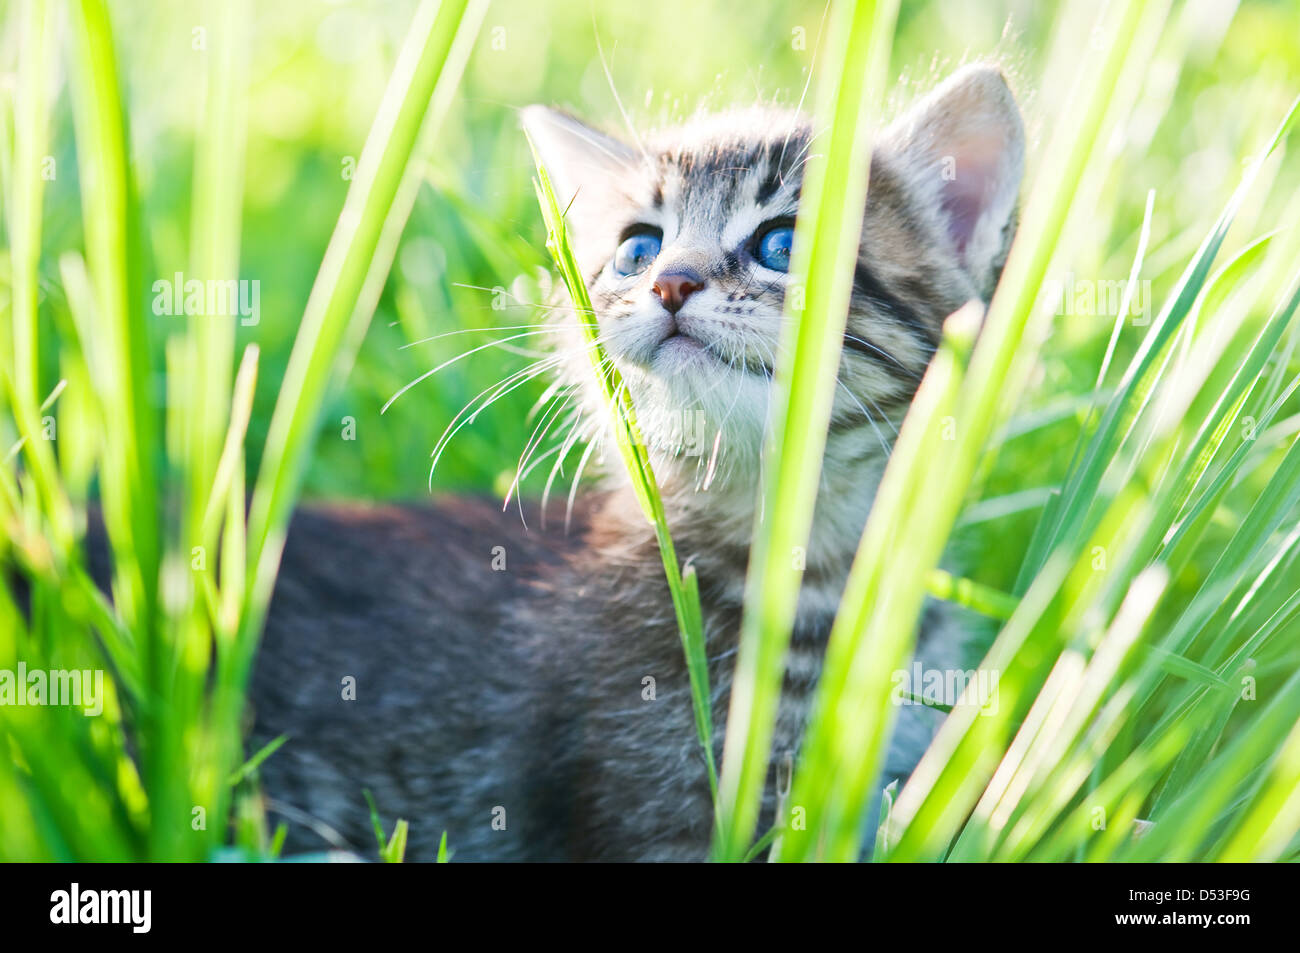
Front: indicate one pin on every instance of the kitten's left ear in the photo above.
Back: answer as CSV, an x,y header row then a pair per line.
x,y
962,148
580,161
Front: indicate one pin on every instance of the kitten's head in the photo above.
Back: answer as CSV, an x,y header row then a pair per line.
x,y
684,239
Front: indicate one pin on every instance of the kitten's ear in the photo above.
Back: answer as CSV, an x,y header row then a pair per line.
x,y
579,160
963,149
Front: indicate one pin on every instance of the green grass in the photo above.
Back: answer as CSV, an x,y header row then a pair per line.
x,y
927,480
1117,502
187,612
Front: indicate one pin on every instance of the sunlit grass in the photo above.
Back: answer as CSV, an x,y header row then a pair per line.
x,y
155,777
1119,501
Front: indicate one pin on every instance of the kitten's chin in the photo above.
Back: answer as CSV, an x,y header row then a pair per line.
x,y
701,419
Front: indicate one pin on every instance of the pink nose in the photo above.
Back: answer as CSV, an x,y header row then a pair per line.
x,y
674,288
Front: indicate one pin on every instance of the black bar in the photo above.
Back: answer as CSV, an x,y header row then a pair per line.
x,y
913,904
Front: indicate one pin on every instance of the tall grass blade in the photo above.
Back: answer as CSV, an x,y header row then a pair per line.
x,y
827,238
331,319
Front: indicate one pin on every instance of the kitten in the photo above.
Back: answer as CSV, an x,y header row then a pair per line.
x,y
526,691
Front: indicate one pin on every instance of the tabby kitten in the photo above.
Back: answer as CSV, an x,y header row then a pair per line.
x,y
525,690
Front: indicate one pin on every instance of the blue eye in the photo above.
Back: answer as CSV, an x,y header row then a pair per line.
x,y
636,253
774,248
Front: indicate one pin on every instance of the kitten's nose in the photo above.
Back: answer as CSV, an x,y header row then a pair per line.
x,y
675,287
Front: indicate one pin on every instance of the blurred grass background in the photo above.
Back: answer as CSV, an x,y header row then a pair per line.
x,y
473,251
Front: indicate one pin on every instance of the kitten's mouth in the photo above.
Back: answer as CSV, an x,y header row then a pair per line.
x,y
680,349
684,344
680,339
678,344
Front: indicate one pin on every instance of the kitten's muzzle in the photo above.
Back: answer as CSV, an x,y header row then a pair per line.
x,y
673,288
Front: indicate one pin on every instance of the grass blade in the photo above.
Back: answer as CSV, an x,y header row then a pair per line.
x,y
331,318
684,587
828,234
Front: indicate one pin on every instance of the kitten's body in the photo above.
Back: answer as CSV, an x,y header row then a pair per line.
x,y
508,707
520,689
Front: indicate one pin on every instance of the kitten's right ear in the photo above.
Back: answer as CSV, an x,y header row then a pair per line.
x,y
580,160
963,149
